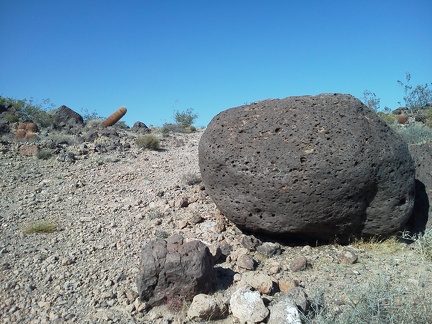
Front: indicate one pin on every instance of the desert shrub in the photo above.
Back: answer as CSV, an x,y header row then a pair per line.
x,y
422,243
414,134
428,115
93,123
40,227
191,178
30,109
185,118
43,155
172,128
370,99
378,301
121,125
389,119
11,118
60,138
89,116
417,97
148,141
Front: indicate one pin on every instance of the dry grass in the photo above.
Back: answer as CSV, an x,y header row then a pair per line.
x,y
40,227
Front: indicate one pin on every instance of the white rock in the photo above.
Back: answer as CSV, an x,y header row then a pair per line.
x,y
284,312
247,306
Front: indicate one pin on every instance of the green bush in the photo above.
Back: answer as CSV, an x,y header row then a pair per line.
x,y
40,227
371,100
389,119
38,112
417,97
185,118
148,141
414,134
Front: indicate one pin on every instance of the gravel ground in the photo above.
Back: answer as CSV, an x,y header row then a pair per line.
x,y
107,206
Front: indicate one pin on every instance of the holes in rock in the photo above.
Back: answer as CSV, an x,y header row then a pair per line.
x,y
402,201
302,159
277,130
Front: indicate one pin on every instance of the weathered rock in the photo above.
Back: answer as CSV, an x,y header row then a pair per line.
x,y
284,312
247,306
346,256
422,155
298,264
308,167
207,307
140,127
173,268
269,249
64,116
260,282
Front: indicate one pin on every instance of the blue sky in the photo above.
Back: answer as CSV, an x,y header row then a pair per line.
x,y
156,57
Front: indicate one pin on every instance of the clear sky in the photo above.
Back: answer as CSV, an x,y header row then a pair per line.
x,y
156,57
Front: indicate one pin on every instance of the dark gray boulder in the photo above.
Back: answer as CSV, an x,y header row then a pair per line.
x,y
422,155
174,270
66,117
140,127
316,167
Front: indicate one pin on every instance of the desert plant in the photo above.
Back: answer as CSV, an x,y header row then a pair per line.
x,y
115,117
417,97
30,109
389,119
40,227
379,301
148,141
43,155
94,123
370,99
191,178
414,134
89,116
185,118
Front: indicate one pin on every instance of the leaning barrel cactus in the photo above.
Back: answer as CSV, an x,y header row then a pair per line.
x,y
115,117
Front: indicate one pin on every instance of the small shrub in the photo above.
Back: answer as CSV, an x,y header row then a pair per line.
x,y
414,134
154,214
11,118
89,116
370,99
389,119
418,97
185,118
60,138
172,128
43,155
147,141
40,227
191,178
94,123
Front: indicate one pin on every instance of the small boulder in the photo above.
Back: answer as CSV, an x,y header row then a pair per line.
x,y
172,269
140,127
207,307
66,117
247,306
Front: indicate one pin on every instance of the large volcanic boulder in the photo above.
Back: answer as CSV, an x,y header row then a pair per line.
x,y
66,117
308,167
422,156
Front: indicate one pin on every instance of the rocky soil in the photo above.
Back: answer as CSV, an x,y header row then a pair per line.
x,y
107,206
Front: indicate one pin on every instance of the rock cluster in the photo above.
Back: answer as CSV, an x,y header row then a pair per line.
x,y
315,167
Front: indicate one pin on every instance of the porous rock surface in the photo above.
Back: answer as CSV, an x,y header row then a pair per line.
x,y
63,115
311,166
171,268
